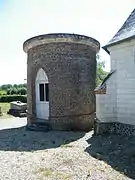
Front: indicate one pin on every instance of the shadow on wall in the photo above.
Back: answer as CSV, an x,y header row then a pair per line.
x,y
117,151
18,139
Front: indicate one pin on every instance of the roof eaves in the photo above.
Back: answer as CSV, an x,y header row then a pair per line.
x,y
102,85
117,42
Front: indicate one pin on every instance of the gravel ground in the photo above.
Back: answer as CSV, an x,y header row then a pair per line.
x,y
28,155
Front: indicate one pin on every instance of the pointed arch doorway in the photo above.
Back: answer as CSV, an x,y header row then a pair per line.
x,y
42,95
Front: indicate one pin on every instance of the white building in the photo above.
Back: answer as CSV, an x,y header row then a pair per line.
x,y
115,98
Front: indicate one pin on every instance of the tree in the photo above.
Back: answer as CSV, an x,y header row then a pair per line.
x,y
24,85
15,86
101,73
5,86
22,91
13,91
8,91
19,85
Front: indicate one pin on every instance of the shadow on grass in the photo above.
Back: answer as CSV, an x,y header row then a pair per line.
x,y
117,151
19,139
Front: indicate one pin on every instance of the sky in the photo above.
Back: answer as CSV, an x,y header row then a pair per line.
x,y
22,19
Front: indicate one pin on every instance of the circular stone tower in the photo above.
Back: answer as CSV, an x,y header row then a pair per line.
x,y
61,73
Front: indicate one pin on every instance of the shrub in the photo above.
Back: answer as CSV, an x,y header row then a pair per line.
x,y
2,92
18,91
10,98
13,91
8,91
22,91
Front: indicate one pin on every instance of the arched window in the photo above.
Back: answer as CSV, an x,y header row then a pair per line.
x,y
43,85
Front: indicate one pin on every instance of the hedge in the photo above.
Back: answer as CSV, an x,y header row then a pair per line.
x,y
10,98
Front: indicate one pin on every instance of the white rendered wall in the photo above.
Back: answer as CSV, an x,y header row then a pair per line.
x,y
124,57
119,101
106,110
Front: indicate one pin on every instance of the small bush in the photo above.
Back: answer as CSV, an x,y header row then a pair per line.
x,y
10,98
2,92
17,91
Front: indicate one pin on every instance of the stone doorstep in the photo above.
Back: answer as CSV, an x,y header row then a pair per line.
x,y
38,126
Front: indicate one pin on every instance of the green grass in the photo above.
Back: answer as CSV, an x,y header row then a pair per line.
x,y
5,108
66,146
45,172
63,176
48,172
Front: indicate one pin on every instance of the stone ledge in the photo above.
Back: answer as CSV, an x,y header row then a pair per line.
x,y
60,37
100,91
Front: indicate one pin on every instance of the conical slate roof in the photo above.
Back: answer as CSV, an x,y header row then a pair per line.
x,y
127,31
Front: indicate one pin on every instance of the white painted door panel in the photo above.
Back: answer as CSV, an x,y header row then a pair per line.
x,y
42,107
42,110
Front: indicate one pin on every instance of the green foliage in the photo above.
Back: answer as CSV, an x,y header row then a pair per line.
x,y
5,86
15,86
20,89
13,91
10,98
8,91
2,92
5,107
100,74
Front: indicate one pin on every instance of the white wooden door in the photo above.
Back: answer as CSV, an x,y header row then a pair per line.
x,y
42,95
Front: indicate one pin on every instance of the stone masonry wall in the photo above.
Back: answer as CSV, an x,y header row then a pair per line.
x,y
71,71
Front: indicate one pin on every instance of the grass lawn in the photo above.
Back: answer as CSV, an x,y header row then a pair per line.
x,y
5,107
